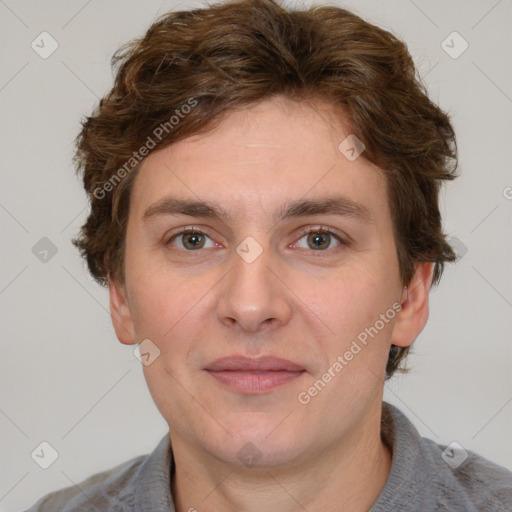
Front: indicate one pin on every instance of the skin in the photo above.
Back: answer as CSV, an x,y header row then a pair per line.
x,y
294,301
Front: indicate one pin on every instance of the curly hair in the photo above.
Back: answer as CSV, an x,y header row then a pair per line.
x,y
193,67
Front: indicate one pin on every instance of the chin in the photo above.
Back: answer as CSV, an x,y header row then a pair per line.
x,y
256,443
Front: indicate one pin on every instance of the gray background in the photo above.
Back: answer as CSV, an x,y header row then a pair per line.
x,y
65,378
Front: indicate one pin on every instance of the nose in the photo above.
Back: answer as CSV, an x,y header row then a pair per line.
x,y
254,296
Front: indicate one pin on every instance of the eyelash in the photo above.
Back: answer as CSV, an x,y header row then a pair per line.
x,y
320,229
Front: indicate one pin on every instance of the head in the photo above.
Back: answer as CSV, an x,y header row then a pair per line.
x,y
246,109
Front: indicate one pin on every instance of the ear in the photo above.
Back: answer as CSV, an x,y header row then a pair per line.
x,y
120,313
414,313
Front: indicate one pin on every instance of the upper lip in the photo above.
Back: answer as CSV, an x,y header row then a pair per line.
x,y
242,363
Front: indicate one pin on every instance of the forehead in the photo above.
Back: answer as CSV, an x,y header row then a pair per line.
x,y
257,159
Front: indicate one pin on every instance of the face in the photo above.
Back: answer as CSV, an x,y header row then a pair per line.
x,y
289,255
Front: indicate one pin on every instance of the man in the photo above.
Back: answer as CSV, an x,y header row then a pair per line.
x,y
264,210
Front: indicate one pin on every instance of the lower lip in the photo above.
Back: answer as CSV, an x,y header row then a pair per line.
x,y
254,382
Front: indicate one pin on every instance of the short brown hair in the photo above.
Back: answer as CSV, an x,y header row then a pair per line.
x,y
236,54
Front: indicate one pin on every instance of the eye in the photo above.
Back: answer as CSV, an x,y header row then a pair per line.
x,y
320,239
190,239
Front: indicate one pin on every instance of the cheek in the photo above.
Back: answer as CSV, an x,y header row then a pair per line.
x,y
350,308
158,309
166,306
352,297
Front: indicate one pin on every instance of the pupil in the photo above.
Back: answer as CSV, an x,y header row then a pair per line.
x,y
316,237
193,239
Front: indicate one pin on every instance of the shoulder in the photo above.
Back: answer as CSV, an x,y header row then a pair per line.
x,y
426,475
109,490
463,473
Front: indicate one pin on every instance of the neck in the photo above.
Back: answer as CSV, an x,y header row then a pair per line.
x,y
351,473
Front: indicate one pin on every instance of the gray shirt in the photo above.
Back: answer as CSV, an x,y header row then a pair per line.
x,y
424,476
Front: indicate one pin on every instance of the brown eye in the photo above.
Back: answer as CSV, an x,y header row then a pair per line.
x,y
320,240
193,240
190,240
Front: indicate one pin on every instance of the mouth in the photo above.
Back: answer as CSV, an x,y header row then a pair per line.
x,y
254,376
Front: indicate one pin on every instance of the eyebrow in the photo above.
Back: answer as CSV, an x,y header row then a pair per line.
x,y
331,205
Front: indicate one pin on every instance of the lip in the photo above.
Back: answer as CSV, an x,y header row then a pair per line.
x,y
246,364
254,376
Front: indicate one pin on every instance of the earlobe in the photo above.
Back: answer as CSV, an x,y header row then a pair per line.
x,y
415,307
120,313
